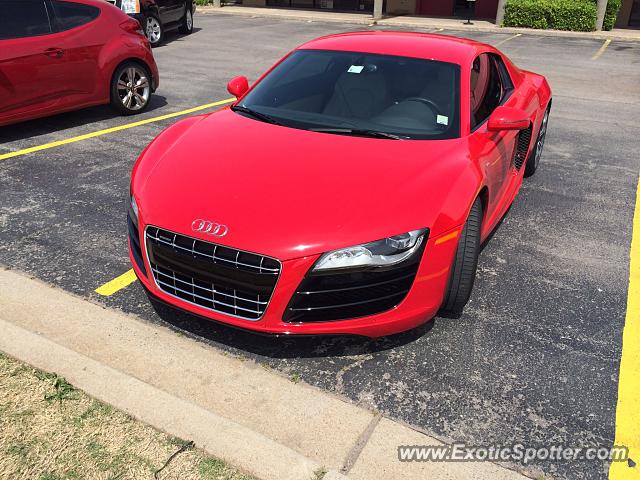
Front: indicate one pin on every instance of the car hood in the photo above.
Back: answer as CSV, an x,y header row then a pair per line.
x,y
290,193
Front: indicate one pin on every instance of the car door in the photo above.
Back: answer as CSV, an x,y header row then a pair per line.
x,y
169,10
26,55
179,7
494,150
79,43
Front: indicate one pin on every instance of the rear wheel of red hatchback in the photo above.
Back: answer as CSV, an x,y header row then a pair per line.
x,y
130,88
465,263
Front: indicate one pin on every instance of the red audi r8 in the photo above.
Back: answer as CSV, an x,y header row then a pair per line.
x,y
347,191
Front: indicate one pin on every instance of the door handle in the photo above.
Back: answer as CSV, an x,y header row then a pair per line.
x,y
54,52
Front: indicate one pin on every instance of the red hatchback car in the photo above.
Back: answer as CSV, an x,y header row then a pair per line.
x,y
348,191
61,55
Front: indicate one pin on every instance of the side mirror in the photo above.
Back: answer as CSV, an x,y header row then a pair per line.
x,y
508,118
238,86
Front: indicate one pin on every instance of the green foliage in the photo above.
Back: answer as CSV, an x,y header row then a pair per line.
x,y
63,389
577,15
202,2
526,13
319,473
613,6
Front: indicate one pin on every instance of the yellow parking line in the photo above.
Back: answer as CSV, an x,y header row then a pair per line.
x,y
113,129
117,284
601,50
507,39
628,408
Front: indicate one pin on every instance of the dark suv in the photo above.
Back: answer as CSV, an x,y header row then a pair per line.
x,y
158,16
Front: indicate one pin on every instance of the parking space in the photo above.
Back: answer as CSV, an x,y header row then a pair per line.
x,y
535,357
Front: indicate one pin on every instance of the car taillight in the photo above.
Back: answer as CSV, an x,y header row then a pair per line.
x,y
132,26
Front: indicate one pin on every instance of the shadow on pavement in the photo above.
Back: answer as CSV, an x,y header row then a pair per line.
x,y
79,118
298,346
175,36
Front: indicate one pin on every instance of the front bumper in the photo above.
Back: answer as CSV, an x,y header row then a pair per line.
x,y
419,306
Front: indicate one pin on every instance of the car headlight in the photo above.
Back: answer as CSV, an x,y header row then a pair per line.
x,y
130,6
381,253
134,210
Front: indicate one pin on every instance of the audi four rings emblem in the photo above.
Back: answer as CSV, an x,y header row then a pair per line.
x,y
210,228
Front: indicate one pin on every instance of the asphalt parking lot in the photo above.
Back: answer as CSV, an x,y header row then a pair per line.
x,y
535,357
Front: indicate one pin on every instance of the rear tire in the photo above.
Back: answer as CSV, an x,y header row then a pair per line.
x,y
534,159
130,88
187,22
465,262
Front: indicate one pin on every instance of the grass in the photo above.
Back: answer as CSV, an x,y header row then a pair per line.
x,y
319,473
53,431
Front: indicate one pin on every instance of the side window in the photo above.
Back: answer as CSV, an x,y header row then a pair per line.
x,y
71,15
487,90
507,84
23,18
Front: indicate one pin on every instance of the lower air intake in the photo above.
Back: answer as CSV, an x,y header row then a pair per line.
x,y
330,296
522,147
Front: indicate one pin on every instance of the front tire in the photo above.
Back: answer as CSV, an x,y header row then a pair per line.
x,y
187,22
154,30
130,88
465,263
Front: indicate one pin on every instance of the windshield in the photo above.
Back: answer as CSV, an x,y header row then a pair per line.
x,y
361,94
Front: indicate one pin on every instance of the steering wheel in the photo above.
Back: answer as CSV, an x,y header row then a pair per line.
x,y
429,103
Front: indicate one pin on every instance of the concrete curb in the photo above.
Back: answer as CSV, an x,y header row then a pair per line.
x,y
413,22
253,418
252,452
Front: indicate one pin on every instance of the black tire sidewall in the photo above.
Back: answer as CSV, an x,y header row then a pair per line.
x,y
183,28
465,262
531,167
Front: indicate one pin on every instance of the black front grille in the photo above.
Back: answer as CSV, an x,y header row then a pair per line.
x,y
324,297
522,148
134,240
215,277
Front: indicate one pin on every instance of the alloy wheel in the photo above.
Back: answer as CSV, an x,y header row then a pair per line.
x,y
189,20
133,88
154,30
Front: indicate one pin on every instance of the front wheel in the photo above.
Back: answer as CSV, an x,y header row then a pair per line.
x,y
187,22
465,262
130,89
154,30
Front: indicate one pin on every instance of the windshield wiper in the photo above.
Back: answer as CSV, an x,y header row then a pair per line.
x,y
358,132
257,115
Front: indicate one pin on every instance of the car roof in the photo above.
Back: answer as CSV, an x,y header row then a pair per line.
x,y
428,46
